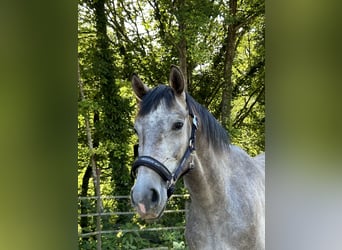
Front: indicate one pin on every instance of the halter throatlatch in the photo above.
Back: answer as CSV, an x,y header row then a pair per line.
x,y
161,170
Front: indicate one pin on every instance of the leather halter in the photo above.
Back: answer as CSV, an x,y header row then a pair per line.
x,y
161,169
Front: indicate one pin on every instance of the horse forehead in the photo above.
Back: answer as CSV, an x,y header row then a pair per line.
x,y
160,117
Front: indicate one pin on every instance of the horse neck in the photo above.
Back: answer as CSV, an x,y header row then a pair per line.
x,y
207,181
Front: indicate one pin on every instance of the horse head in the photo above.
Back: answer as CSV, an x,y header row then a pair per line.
x,y
163,128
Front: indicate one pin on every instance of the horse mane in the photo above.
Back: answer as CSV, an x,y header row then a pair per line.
x,y
210,128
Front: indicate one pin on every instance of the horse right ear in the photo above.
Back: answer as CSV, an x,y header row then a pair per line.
x,y
139,88
176,80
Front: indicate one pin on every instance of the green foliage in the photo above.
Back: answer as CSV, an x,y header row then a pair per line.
x,y
137,240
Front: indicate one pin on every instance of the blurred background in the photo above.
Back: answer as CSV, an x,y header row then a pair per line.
x,y
48,49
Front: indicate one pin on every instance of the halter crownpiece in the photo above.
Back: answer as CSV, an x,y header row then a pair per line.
x,y
160,169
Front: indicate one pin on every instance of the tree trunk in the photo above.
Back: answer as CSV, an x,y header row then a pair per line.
x,y
182,45
183,61
94,170
228,66
84,203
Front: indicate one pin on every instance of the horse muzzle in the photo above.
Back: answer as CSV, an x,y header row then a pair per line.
x,y
148,197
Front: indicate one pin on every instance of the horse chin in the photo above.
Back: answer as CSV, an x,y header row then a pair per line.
x,y
151,216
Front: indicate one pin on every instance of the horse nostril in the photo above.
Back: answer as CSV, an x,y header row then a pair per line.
x,y
155,196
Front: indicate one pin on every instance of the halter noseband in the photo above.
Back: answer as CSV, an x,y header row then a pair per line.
x,y
161,170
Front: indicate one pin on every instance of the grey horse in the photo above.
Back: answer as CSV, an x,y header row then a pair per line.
x,y
178,137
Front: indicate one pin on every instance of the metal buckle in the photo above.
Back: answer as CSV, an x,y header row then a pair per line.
x,y
191,144
195,121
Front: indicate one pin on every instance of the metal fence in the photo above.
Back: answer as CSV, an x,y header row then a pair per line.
x,y
110,205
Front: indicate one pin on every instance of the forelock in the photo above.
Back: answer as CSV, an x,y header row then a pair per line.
x,y
153,99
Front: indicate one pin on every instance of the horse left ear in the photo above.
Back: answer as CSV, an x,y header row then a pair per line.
x,y
176,80
139,88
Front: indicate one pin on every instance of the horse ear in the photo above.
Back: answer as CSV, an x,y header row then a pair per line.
x,y
176,80
139,88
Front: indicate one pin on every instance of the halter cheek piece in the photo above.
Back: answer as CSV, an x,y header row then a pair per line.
x,y
160,169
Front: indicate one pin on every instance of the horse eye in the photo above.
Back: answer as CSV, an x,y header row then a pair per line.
x,y
177,125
